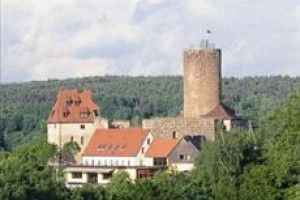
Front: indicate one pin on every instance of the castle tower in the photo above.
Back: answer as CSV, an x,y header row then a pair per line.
x,y
202,80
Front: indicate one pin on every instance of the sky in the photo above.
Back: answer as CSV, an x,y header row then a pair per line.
x,y
56,39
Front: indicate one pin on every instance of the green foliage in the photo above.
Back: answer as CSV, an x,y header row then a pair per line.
x,y
238,165
25,174
25,106
89,192
68,152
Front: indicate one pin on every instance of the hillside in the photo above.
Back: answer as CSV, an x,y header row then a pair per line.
x,y
25,106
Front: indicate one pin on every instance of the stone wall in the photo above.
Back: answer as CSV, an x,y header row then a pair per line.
x,y
165,127
202,81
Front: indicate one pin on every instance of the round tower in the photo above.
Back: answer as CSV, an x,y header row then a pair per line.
x,y
202,80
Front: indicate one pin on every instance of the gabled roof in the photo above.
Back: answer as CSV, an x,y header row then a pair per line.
x,y
221,111
116,142
73,106
161,147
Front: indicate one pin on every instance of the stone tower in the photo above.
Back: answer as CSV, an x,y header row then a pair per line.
x,y
202,80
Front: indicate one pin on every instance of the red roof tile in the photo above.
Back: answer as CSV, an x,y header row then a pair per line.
x,y
161,147
116,142
222,111
73,106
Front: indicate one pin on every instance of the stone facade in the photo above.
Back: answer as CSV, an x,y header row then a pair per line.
x,y
202,81
184,152
179,127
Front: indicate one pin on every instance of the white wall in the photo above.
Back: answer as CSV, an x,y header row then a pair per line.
x,y
228,124
181,166
109,161
140,158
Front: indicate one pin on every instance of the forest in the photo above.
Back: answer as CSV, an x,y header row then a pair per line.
x,y
264,165
24,107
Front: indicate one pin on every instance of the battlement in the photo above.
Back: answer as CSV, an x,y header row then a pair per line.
x,y
197,54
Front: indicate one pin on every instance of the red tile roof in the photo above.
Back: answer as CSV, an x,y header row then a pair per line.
x,y
116,142
161,147
221,111
73,106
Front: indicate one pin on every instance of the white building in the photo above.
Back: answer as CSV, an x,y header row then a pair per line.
x,y
74,117
118,147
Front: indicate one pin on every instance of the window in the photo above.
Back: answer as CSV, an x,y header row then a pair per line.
x,y
181,156
54,126
160,161
71,139
96,113
65,114
101,146
143,150
128,162
145,173
81,140
92,177
174,135
188,157
123,147
117,147
93,162
82,126
84,115
76,175
107,176
148,141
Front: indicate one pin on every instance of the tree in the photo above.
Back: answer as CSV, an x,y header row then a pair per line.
x,y
69,151
89,192
25,174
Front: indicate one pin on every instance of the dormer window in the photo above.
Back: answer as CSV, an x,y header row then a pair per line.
x,y
76,101
65,114
96,113
69,101
84,115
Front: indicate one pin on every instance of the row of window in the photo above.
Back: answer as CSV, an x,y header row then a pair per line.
x,y
81,140
184,157
82,126
110,162
160,161
92,177
111,147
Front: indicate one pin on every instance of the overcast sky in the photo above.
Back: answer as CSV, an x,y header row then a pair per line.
x,y
42,39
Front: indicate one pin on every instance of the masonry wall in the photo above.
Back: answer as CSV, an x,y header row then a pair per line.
x,y
202,81
165,127
187,149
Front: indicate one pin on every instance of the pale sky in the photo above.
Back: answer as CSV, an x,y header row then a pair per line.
x,y
47,39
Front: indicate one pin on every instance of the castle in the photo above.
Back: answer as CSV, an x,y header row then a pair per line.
x,y
203,107
161,143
